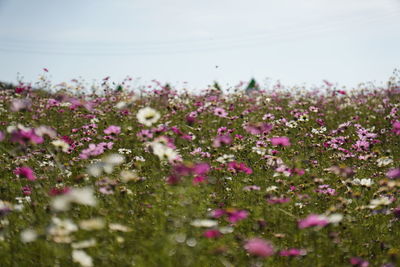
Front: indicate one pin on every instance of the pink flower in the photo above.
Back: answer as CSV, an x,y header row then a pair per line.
x,y
113,130
259,247
313,220
2,136
220,112
280,141
222,140
259,128
396,127
25,172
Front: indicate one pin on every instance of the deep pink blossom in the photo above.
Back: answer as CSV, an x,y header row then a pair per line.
x,y
212,233
293,252
25,172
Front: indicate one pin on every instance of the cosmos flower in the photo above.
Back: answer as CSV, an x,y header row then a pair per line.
x,y
148,116
113,130
83,196
313,220
220,112
81,257
280,141
259,247
393,173
26,172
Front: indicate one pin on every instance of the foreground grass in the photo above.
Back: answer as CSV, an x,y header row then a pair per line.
x,y
328,141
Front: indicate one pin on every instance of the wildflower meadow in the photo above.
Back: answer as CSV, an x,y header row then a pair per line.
x,y
128,175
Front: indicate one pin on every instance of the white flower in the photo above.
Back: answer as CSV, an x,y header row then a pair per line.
x,y
164,152
383,201
82,258
64,146
148,116
204,223
106,165
61,229
119,227
384,161
363,182
28,235
271,188
84,244
335,218
92,224
83,196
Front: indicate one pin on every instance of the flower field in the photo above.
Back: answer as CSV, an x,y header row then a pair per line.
x,y
118,176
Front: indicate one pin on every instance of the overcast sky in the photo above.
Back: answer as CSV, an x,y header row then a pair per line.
x,y
295,41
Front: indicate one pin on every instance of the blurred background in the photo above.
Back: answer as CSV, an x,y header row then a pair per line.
x,y
176,41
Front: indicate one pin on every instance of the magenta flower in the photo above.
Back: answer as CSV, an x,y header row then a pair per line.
x,y
236,167
213,233
259,247
280,141
23,137
25,172
313,220
217,213
359,262
113,130
293,252
233,215
201,168
236,215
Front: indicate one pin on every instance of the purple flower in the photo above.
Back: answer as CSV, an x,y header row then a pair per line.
x,y
393,173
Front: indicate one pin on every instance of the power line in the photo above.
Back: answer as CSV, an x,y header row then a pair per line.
x,y
197,46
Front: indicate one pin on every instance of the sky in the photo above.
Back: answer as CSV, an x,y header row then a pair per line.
x,y
198,42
